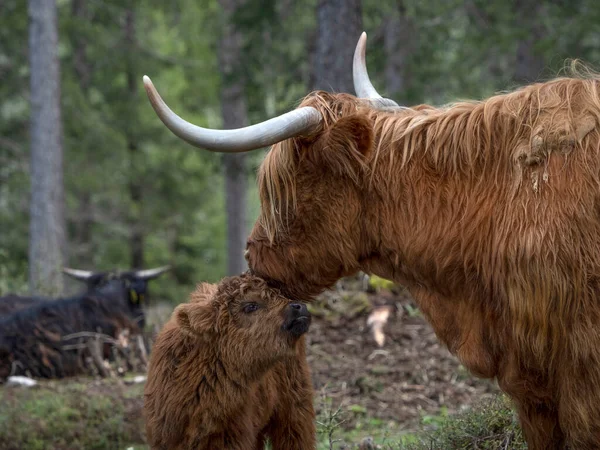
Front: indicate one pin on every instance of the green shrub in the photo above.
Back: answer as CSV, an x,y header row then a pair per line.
x,y
490,426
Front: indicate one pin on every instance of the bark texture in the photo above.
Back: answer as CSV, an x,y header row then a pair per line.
x,y
339,25
47,223
234,111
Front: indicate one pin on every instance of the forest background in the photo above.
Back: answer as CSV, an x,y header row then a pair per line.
x,y
90,178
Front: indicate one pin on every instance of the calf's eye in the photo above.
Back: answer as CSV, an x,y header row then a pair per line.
x,y
250,307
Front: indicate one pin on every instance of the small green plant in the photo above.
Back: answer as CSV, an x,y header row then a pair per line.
x,y
344,427
358,409
378,283
412,311
435,421
329,421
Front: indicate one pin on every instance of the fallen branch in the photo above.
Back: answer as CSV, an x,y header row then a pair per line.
x,y
91,334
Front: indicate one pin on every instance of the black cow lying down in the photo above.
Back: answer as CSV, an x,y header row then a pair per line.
x,y
11,302
31,339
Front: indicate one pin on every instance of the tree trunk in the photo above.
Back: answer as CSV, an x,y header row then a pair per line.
x,y
235,114
529,63
81,243
136,236
397,43
339,25
47,224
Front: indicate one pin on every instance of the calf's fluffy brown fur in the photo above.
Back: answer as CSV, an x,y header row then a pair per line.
x,y
229,371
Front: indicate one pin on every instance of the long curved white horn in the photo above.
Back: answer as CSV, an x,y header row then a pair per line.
x,y
83,275
362,83
149,274
301,121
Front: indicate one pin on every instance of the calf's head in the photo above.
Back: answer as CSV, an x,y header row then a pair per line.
x,y
248,324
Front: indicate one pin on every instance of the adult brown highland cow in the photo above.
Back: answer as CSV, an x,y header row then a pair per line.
x,y
488,211
229,371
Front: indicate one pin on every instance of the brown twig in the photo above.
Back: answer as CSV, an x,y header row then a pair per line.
x,y
94,349
91,334
142,347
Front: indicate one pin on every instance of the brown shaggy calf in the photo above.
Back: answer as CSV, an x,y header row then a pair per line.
x,y
229,371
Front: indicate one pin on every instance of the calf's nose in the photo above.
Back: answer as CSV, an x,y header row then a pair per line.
x,y
299,309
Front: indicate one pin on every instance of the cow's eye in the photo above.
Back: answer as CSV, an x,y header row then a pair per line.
x,y
250,307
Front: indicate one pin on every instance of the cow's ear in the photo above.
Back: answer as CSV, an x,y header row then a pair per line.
x,y
196,318
347,144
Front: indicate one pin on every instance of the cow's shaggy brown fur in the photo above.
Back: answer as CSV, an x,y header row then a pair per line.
x,y
489,212
229,371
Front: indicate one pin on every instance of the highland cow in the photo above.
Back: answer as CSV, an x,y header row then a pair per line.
x,y
31,339
10,303
488,212
229,371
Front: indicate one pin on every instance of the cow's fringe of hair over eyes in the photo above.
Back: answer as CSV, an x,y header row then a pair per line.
x,y
277,189
277,175
467,138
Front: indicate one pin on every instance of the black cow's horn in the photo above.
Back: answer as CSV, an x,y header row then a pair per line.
x,y
83,275
149,274
362,83
301,121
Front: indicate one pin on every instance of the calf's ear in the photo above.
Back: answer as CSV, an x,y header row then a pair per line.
x,y
196,318
204,292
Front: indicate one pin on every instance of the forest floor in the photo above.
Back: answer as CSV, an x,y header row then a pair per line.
x,y
409,383
362,390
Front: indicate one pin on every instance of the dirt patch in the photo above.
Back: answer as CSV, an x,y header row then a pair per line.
x,y
410,377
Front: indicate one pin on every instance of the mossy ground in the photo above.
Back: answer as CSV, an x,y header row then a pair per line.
x,y
107,414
